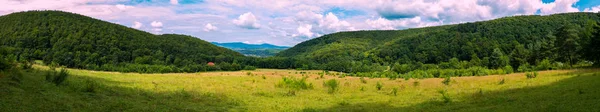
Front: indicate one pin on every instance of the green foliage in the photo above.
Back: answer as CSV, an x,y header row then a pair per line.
x,y
379,86
447,81
508,69
544,65
524,68
493,44
77,41
332,85
57,77
531,75
249,68
363,80
295,83
445,97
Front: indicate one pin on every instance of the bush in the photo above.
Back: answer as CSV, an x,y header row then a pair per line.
x,y
531,75
379,86
249,68
447,81
332,84
508,69
445,97
295,83
544,65
363,80
60,77
524,68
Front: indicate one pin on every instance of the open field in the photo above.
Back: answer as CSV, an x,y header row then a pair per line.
x,y
556,90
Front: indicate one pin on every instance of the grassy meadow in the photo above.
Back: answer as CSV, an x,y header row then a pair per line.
x,y
261,90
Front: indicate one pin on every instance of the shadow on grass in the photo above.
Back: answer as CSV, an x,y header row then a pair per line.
x,y
579,93
80,93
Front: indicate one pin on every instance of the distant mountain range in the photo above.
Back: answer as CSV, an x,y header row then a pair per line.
x,y
258,50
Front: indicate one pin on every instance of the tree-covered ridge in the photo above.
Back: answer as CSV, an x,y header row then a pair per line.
x,y
78,41
516,41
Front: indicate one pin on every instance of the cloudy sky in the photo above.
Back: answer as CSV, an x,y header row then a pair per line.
x,y
288,22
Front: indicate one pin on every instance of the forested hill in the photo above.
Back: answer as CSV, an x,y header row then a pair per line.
x,y
521,40
78,41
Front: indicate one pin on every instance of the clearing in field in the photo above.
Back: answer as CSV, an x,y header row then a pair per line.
x,y
292,90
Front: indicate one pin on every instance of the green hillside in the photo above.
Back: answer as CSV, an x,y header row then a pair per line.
x,y
520,40
78,41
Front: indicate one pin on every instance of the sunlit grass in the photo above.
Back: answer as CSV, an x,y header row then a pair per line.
x,y
258,92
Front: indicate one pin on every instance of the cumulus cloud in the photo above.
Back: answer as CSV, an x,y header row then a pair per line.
x,y
209,27
156,26
298,18
313,24
247,20
304,30
593,9
559,6
137,25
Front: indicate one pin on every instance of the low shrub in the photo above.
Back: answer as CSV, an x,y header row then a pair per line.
x,y
531,75
295,83
447,81
57,77
379,86
332,85
445,97
395,91
363,80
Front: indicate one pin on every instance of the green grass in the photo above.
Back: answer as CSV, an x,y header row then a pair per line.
x,y
565,90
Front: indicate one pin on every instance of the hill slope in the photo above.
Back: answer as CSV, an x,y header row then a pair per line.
x,y
523,39
78,41
258,50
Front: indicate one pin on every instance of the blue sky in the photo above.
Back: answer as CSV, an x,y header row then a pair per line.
x,y
283,22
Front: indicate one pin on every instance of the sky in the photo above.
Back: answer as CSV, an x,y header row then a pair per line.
x,y
289,22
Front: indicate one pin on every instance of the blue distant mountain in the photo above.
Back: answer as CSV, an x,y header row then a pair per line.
x,y
240,45
258,50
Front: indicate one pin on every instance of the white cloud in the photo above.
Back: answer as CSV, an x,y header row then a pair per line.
x,y
174,2
156,24
559,6
156,27
247,20
593,9
296,18
137,25
209,27
304,30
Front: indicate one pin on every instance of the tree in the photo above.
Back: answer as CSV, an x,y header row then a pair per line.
x,y
519,55
498,59
568,44
592,51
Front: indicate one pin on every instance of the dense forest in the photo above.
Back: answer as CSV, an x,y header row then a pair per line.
x,y
519,42
504,45
77,41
